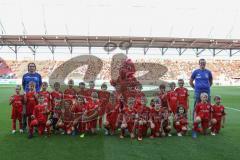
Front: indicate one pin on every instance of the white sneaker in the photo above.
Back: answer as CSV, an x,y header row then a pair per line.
x,y
13,131
179,134
106,132
213,134
169,135
21,130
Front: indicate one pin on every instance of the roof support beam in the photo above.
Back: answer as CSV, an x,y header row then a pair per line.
x,y
15,50
145,50
231,53
181,50
198,51
163,50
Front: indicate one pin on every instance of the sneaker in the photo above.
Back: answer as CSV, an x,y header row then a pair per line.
x,y
169,135
140,138
106,132
179,134
194,134
21,130
132,135
82,135
121,136
213,134
13,131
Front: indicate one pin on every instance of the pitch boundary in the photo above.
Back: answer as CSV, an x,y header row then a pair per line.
x,y
233,109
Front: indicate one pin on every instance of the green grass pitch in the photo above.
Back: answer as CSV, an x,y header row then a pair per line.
x,y
225,146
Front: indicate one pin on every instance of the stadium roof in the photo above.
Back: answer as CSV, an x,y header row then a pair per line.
x,y
133,18
110,41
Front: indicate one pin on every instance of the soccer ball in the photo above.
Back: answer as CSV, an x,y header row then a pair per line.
x,y
213,121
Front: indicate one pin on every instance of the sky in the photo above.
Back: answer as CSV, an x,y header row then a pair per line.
x,y
157,18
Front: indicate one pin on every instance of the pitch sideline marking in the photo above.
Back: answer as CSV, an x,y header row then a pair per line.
x,y
233,109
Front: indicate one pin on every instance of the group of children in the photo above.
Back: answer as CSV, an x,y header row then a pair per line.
x,y
85,110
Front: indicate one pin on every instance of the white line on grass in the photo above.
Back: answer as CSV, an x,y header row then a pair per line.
x,y
233,109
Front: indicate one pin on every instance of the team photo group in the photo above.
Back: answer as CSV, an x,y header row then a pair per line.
x,y
126,111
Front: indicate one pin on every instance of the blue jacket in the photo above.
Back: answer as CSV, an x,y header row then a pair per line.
x,y
35,77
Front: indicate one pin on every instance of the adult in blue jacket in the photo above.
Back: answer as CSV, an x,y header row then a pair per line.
x,y
31,75
201,81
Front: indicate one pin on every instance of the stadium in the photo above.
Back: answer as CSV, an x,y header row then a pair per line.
x,y
87,41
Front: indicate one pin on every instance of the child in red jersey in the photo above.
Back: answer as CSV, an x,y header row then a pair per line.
x,y
180,122
78,111
142,118
16,101
163,96
104,98
66,121
82,90
139,94
218,116
90,90
30,99
172,98
55,114
155,117
70,92
111,112
39,117
46,95
129,118
165,124
183,95
202,115
92,112
56,93
56,98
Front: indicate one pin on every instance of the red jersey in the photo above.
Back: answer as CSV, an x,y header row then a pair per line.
x,y
17,106
181,118
104,96
54,96
67,115
47,98
89,93
78,110
203,110
57,110
172,100
129,114
111,111
143,113
182,96
82,92
40,113
218,112
156,115
17,103
163,97
70,93
31,102
93,105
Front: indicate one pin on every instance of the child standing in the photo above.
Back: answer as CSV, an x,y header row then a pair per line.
x,y
16,101
218,116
